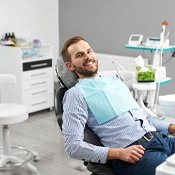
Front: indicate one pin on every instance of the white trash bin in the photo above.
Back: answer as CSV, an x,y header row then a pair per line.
x,y
167,103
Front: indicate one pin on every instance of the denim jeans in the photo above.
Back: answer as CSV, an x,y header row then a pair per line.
x,y
156,152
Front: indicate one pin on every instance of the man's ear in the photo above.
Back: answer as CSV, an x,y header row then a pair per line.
x,y
69,66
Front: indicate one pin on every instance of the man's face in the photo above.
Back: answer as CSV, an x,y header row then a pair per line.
x,y
83,60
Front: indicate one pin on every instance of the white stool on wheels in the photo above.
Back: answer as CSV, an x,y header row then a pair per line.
x,y
12,114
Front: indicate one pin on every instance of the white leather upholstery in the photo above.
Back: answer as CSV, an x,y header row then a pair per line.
x,y
7,79
12,113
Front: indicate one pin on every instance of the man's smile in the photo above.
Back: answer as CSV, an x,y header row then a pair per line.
x,y
88,63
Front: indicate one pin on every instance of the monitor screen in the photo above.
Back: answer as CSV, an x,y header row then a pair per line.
x,y
135,38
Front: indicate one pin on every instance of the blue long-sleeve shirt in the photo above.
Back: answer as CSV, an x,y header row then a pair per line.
x,y
116,133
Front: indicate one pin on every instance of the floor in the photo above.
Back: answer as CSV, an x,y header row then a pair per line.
x,y
41,133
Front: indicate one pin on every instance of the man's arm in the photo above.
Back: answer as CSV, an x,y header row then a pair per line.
x,y
75,117
130,154
160,124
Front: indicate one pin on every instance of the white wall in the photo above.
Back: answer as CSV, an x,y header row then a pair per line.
x,y
31,19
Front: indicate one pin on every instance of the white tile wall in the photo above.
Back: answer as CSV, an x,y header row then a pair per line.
x,y
32,19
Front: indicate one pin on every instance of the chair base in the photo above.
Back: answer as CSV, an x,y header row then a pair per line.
x,y
9,161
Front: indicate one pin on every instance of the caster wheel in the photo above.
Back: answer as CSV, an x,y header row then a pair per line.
x,y
83,168
35,158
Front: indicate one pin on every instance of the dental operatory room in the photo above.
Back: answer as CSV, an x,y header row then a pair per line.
x,y
87,87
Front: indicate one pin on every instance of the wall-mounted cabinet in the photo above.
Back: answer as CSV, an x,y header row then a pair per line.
x,y
33,69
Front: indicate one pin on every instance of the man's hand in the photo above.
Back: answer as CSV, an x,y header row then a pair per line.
x,y
171,129
131,154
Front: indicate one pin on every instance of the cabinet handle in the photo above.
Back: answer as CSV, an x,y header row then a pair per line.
x,y
38,74
39,103
43,82
35,93
38,65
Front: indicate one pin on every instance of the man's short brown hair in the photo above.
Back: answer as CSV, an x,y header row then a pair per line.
x,y
64,53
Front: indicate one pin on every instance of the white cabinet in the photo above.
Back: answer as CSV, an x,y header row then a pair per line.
x,y
33,69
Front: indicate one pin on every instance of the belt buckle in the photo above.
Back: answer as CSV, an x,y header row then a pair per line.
x,y
147,139
148,136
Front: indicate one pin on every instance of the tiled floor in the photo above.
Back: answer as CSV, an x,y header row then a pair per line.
x,y
41,133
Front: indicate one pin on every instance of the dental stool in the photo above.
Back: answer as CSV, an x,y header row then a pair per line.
x,y
13,114
167,103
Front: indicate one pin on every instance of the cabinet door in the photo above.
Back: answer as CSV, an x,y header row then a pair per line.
x,y
36,104
38,82
37,74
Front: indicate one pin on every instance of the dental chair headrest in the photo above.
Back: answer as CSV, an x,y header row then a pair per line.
x,y
66,77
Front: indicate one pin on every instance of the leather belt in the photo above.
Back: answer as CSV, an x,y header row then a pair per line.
x,y
146,138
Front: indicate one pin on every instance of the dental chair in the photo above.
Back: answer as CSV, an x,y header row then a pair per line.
x,y
67,79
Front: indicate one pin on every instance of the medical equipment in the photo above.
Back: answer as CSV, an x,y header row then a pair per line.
x,y
164,42
135,39
153,41
141,88
157,60
159,41
126,77
167,167
162,34
159,45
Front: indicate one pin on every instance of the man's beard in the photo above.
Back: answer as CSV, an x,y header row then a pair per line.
x,y
84,72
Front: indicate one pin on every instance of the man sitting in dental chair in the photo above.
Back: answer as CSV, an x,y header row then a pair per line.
x,y
135,142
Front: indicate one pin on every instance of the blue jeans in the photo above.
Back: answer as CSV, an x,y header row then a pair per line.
x,y
156,152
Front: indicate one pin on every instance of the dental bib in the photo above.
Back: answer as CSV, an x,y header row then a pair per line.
x,y
106,97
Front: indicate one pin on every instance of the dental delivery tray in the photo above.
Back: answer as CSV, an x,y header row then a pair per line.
x,y
167,167
145,76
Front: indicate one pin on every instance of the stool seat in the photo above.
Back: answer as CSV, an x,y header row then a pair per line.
x,y
12,113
